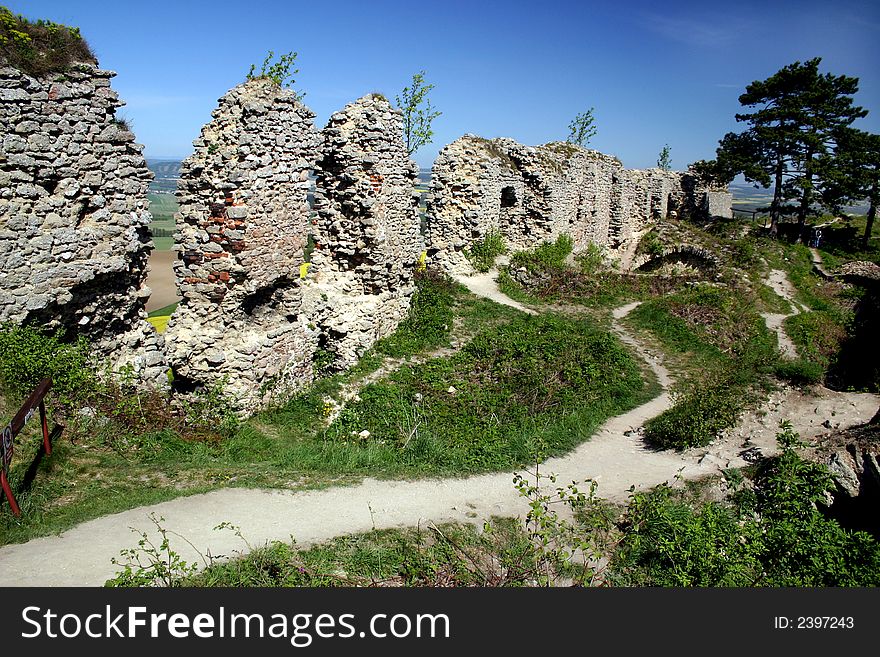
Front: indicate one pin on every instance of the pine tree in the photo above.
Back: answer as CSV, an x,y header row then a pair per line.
x,y
797,114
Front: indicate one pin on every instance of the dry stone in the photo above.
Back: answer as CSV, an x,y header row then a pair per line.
x,y
242,228
367,239
74,219
531,194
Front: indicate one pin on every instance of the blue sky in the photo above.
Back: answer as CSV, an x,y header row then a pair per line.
x,y
655,72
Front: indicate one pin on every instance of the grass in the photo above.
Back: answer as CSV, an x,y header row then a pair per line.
x,y
165,311
41,48
723,352
533,385
392,557
769,529
522,385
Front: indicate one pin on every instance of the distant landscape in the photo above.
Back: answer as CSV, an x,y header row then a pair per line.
x,y
163,202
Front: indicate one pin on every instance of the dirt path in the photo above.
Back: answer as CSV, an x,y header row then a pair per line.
x,y
160,279
615,457
780,284
486,285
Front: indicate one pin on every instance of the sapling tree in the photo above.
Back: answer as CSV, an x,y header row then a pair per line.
x,y
664,161
280,72
418,113
582,128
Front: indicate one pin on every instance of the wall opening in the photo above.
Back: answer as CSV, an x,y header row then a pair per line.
x,y
508,197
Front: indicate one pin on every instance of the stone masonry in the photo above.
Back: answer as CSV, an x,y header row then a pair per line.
x,y
74,238
367,239
242,229
532,194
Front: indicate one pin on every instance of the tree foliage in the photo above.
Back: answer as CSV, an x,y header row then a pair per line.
x,y
664,161
582,128
280,72
795,118
418,113
852,173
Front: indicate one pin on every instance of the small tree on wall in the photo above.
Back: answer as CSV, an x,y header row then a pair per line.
x,y
582,128
280,72
418,113
664,161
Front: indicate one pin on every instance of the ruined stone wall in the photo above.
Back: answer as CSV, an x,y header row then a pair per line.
x,y
367,239
704,199
532,194
242,228
74,237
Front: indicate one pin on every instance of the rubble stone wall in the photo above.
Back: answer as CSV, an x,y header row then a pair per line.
x,y
242,228
74,238
532,194
367,238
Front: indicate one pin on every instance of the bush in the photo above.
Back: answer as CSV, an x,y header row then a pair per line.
x,y
28,355
482,253
546,256
651,244
773,535
697,417
42,47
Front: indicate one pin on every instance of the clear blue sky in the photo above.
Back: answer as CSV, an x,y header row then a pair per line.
x,y
656,72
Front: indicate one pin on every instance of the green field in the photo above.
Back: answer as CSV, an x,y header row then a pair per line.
x,y
163,208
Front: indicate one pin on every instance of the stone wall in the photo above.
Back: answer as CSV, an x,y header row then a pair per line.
x,y
242,229
74,237
531,194
366,233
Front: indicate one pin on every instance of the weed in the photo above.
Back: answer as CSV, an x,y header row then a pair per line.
x,y
42,47
482,253
280,72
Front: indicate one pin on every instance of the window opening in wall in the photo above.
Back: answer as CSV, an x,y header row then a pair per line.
x,y
508,197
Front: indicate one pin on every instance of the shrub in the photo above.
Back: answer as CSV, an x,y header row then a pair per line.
x,y
28,355
774,535
546,256
41,47
651,244
697,417
482,253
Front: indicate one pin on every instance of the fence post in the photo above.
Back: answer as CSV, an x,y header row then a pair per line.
x,y
34,402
